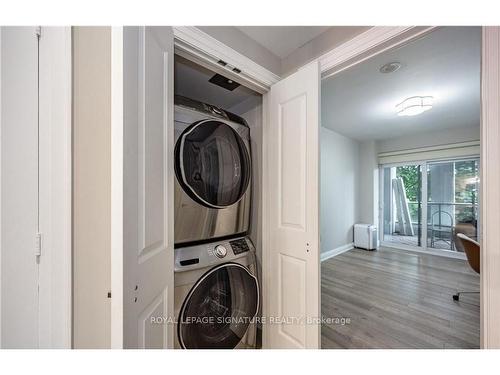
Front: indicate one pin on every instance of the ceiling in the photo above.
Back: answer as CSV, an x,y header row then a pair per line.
x,y
191,80
282,40
360,101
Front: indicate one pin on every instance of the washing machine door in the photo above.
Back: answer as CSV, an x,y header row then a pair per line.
x,y
212,163
219,308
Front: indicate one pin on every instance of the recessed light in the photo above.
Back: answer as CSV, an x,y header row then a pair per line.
x,y
414,105
390,67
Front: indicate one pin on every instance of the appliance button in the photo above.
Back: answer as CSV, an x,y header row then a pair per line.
x,y
220,251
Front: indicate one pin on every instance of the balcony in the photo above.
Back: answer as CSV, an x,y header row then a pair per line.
x,y
444,221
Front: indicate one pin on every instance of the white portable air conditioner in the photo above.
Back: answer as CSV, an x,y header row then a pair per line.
x,y
365,236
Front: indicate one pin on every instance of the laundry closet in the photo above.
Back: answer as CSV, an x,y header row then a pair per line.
x,y
217,216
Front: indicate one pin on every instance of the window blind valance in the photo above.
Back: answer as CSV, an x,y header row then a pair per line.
x,y
448,151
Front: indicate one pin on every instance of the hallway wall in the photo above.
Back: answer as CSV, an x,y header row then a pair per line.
x,y
339,184
91,187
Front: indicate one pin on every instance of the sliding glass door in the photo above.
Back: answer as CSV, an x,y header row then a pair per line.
x,y
452,202
426,204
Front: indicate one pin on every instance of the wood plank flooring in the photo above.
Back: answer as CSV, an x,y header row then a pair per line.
x,y
398,299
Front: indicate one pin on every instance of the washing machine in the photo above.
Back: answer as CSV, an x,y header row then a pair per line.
x,y
216,295
213,173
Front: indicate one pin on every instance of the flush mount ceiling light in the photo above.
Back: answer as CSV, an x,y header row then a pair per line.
x,y
414,105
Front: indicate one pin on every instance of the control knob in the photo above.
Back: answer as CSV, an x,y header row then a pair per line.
x,y
220,251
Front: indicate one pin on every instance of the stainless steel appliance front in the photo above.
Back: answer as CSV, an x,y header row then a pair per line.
x,y
213,173
216,295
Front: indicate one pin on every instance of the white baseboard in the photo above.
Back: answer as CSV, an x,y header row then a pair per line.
x,y
334,252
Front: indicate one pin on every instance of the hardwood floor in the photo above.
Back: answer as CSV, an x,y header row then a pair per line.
x,y
398,299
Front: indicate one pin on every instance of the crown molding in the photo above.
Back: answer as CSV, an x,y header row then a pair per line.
x,y
367,44
198,43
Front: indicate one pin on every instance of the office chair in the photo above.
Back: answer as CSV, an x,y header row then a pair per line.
x,y
472,252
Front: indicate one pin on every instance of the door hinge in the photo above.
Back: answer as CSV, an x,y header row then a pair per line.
x,y
38,32
38,244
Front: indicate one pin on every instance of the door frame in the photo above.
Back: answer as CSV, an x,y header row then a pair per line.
x,y
116,324
55,187
490,178
379,39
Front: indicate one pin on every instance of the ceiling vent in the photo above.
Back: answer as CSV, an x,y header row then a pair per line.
x,y
390,67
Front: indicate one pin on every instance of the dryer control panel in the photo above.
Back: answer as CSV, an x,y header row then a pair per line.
x,y
207,254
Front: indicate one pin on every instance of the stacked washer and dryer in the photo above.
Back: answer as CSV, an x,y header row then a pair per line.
x,y
216,287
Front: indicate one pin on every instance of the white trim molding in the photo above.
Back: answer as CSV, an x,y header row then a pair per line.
x,y
490,186
117,187
266,270
367,44
337,251
0,188
206,48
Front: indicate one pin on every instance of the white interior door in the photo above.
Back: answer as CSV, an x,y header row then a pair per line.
x,y
19,187
292,279
148,239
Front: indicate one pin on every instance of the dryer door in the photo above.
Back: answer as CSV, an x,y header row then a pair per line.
x,y
212,164
219,308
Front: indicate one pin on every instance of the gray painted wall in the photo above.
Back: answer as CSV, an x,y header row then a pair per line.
x,y
253,116
339,184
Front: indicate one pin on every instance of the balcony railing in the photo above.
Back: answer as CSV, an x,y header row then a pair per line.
x,y
455,209
443,218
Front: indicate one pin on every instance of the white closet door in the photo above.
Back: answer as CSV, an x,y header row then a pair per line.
x,y
19,187
292,279
148,193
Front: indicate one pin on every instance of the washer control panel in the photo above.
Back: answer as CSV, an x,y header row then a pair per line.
x,y
220,251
